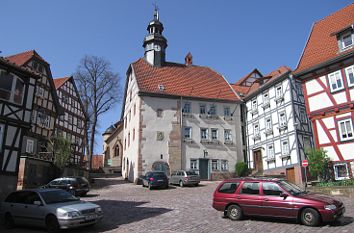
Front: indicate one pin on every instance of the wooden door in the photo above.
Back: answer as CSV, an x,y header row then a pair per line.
x,y
257,158
290,175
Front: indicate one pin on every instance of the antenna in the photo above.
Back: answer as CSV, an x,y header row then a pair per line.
x,y
156,11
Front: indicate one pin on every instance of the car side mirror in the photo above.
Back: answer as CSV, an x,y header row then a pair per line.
x,y
39,203
284,195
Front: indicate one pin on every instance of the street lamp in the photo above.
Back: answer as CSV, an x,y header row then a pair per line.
x,y
205,153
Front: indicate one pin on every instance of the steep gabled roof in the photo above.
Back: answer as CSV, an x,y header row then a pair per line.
x,y
247,76
322,43
181,80
58,82
22,58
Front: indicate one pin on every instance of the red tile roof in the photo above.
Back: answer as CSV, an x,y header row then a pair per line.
x,y
182,80
322,44
21,58
58,82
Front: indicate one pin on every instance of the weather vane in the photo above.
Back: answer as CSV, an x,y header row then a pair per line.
x,y
156,13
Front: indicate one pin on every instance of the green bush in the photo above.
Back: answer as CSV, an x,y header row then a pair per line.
x,y
241,169
318,161
336,183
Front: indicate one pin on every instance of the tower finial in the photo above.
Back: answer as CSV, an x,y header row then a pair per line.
x,y
156,12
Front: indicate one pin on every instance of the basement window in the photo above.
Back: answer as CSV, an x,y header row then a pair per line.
x,y
341,171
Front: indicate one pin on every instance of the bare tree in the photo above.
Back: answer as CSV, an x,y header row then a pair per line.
x,y
99,89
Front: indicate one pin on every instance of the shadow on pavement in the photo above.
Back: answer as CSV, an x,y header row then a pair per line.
x,y
345,220
104,182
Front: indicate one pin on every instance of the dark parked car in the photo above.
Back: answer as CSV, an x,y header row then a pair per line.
x,y
155,179
183,178
275,198
77,186
51,208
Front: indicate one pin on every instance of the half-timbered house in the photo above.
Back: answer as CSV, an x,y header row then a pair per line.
x,y
277,128
36,154
326,69
17,87
71,124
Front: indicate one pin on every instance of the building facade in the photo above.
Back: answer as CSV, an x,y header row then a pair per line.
x,y
37,154
17,88
277,127
72,124
178,116
113,148
326,69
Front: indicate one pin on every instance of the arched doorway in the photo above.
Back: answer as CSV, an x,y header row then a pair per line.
x,y
161,166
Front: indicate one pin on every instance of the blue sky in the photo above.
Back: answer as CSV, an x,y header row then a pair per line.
x,y
232,37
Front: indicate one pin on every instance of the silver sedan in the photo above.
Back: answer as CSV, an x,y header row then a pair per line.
x,y
51,208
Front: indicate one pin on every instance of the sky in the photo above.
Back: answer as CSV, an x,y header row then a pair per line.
x,y
231,36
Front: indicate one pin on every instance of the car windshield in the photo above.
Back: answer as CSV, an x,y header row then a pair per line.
x,y
291,188
191,173
159,174
57,196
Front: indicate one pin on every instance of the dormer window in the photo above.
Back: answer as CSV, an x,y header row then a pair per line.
x,y
347,40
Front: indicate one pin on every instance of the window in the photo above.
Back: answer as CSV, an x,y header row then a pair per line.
x,y
133,134
29,146
134,109
130,96
341,171
345,130
43,119
270,151
254,104
256,129
125,144
227,111
187,132
271,189
194,164
202,109
214,134
186,107
116,151
11,88
125,122
227,135
285,147
265,98
224,165
278,92
250,188
228,187
302,115
214,165
128,139
268,123
349,71
40,92
2,129
335,81
65,99
158,112
130,115
79,123
346,40
212,110
282,120
70,119
204,133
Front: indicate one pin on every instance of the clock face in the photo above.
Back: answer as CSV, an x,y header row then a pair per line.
x,y
157,47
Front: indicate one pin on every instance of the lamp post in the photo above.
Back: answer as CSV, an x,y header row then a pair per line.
x,y
205,153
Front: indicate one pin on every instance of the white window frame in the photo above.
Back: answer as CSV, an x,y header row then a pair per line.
x,y
338,77
212,110
2,130
268,126
279,94
285,148
346,129
336,174
202,106
187,107
206,133
350,34
349,70
227,135
256,129
224,165
214,132
189,130
194,164
270,151
254,105
282,120
30,146
227,111
215,162
14,81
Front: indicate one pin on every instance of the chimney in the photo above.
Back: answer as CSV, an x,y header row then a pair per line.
x,y
188,59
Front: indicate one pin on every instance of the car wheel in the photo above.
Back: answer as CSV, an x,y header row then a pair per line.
x,y
149,186
310,217
52,224
9,221
181,183
197,184
234,212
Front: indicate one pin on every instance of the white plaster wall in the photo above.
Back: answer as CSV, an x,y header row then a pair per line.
x,y
346,150
340,97
313,86
319,101
329,122
322,137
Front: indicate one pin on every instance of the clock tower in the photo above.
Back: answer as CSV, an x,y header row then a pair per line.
x,y
155,43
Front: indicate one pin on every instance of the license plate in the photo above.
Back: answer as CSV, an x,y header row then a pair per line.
x,y
90,217
159,180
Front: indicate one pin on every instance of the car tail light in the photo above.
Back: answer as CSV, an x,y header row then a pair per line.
x,y
185,178
151,179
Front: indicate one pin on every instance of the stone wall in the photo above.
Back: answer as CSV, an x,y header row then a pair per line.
x,y
8,185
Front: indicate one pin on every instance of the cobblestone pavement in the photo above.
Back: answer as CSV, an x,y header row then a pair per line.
x,y
131,208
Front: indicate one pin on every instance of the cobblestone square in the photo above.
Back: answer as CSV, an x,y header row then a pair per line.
x,y
132,208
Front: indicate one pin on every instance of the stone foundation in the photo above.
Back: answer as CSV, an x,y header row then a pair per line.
x,y
221,175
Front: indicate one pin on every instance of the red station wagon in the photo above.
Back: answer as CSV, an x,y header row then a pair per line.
x,y
275,198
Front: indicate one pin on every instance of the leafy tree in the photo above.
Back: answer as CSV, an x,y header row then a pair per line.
x,y
62,151
241,169
318,161
99,89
